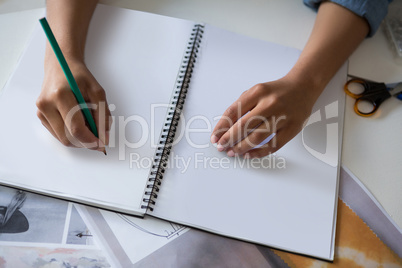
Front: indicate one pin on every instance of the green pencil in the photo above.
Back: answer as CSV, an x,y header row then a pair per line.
x,y
69,76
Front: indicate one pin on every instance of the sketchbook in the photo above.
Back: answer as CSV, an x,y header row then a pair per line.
x,y
167,82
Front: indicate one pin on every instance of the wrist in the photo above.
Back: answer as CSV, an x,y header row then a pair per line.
x,y
70,52
51,62
311,84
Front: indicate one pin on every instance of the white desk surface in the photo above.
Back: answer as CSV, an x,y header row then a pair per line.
x,y
372,147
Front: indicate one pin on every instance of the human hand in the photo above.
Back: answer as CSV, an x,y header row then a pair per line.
x,y
59,112
280,107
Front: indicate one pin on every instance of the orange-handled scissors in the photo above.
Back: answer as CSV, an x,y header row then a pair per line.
x,y
369,94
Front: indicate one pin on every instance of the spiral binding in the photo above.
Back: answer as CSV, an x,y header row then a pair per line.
x,y
172,119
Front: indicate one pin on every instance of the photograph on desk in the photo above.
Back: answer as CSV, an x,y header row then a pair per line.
x,y
12,220
27,218
37,231
172,79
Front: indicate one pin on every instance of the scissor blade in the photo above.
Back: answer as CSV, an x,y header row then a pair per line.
x,y
396,90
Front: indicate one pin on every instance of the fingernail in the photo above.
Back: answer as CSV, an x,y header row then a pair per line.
x,y
220,147
230,153
214,139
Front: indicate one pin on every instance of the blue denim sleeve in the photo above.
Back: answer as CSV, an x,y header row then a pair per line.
x,y
373,11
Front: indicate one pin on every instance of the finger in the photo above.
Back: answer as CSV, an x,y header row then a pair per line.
x,y
101,114
55,122
71,141
262,135
46,124
235,111
243,127
280,139
255,139
109,125
52,120
74,121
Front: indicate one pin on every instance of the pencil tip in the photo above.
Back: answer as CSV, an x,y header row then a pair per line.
x,y
104,151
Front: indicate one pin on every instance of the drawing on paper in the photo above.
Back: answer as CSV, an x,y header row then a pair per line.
x,y
170,230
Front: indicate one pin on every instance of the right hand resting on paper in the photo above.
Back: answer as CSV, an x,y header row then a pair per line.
x,y
281,107
59,111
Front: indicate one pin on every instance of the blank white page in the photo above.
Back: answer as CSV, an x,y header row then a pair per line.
x,y
291,208
135,56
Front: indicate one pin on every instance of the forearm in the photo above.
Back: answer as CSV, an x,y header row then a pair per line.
x,y
69,20
336,34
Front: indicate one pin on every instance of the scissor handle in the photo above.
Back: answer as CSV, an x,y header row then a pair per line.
x,y
365,114
355,81
373,93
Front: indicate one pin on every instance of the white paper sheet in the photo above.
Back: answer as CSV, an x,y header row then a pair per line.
x,y
292,208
